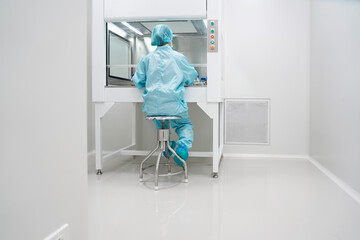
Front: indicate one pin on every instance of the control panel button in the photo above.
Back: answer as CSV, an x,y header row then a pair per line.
x,y
212,35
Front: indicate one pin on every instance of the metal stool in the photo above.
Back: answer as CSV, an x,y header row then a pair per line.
x,y
163,138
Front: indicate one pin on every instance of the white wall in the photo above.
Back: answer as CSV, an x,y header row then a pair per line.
x,y
117,127
335,87
267,56
43,118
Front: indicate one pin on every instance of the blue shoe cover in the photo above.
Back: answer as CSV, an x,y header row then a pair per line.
x,y
182,151
172,145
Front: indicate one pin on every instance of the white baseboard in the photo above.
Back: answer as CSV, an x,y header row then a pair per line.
x,y
265,156
343,185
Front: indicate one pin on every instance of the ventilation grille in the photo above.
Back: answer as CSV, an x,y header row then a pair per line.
x,y
247,121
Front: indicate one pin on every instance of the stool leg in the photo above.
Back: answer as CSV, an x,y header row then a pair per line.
x,y
142,163
157,171
168,158
169,166
184,162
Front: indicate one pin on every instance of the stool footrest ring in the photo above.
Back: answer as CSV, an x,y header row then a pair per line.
x,y
167,174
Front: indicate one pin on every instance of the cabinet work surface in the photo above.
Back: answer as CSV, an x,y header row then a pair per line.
x,y
133,94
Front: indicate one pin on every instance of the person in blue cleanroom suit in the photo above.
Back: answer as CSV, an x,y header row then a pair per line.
x,y
163,74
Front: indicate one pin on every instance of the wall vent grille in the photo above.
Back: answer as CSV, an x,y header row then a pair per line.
x,y
247,121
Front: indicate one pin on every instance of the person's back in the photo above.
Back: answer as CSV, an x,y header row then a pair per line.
x,y
163,74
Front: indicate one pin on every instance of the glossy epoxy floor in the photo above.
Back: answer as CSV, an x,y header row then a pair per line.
x,y
252,199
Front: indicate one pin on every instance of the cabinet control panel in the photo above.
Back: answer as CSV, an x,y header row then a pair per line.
x,y
212,35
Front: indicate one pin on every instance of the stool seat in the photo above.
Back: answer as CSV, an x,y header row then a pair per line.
x,y
162,117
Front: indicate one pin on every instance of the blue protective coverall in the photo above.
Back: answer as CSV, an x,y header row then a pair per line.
x,y
163,73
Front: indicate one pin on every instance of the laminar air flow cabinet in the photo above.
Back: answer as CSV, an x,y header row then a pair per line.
x,y
121,37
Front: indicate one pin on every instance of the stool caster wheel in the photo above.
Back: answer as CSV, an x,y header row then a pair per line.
x,y
141,180
156,188
215,175
186,180
99,172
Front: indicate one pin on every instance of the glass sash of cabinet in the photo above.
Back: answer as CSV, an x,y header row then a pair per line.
x,y
128,43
